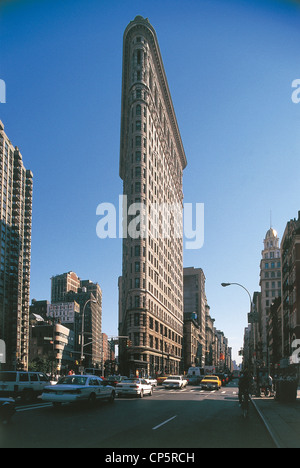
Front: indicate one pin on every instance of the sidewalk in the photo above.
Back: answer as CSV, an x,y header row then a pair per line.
x,y
282,420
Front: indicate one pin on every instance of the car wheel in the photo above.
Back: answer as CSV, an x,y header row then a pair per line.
x,y
151,392
92,399
112,397
27,396
142,394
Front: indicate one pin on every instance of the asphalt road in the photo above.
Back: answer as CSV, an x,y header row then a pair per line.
x,y
188,418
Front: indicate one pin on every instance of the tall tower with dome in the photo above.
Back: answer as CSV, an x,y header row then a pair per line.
x,y
270,283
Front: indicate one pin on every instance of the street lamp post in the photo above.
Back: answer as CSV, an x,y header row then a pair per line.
x,y
225,285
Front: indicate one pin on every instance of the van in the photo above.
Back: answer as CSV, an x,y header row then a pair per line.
x,y
196,371
27,385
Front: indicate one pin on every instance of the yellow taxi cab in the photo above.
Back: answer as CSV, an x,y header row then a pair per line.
x,y
211,382
161,378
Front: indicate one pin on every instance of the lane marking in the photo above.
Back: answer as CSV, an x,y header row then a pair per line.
x,y
162,424
30,408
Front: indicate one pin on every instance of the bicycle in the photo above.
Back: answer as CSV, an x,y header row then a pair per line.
x,y
245,404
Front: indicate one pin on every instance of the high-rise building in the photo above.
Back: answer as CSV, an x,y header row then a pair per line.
x,y
71,297
270,283
152,160
195,304
62,284
16,184
290,252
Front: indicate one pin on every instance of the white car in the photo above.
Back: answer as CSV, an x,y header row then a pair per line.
x,y
151,381
175,381
77,388
27,385
136,387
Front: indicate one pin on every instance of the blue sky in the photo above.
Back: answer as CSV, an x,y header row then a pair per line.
x,y
230,66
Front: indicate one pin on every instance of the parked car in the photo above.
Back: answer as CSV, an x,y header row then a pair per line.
x,y
27,385
175,381
7,410
211,382
136,387
78,388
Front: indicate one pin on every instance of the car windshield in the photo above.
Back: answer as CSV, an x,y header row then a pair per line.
x,y
211,378
8,376
73,380
174,377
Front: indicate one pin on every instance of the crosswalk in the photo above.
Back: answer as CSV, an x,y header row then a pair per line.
x,y
227,391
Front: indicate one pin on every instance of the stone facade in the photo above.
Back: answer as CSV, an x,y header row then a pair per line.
x,y
152,161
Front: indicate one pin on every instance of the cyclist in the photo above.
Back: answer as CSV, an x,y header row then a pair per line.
x,y
244,386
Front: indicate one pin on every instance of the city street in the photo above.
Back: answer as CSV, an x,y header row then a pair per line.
x,y
188,418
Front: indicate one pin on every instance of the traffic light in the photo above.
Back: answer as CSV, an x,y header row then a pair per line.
x,y
128,344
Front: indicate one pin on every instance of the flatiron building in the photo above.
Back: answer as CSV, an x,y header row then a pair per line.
x,y
152,160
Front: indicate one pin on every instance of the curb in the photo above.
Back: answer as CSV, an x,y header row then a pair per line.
x,y
267,426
